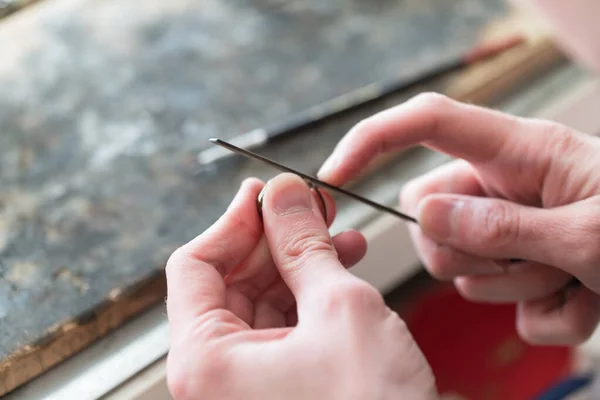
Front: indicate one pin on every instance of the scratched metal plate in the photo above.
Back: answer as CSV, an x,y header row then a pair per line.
x,y
103,105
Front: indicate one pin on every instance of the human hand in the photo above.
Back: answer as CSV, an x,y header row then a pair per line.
x,y
522,189
233,293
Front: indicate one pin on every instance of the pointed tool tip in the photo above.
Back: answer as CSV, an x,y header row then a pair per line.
x,y
214,140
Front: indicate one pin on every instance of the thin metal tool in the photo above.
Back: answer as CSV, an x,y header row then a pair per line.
x,y
314,181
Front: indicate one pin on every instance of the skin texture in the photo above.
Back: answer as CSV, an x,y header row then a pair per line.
x,y
264,308
520,189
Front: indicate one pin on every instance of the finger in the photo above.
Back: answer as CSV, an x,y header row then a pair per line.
x,y
195,271
556,320
564,237
255,273
240,305
252,276
521,281
297,235
351,247
445,262
267,315
465,131
231,239
454,177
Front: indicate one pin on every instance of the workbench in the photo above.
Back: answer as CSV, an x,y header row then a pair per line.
x,y
105,105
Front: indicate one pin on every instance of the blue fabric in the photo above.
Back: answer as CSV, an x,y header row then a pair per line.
x,y
566,387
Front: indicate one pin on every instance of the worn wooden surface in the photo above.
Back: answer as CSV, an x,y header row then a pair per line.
x,y
104,105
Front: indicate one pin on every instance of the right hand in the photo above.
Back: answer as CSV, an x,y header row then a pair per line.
x,y
523,189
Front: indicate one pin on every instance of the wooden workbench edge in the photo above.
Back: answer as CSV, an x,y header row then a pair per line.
x,y
66,340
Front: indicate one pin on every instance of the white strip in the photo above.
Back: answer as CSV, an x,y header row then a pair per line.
x,y
106,364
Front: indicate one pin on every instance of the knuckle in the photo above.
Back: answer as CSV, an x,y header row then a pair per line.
x,y
211,364
366,131
213,324
186,380
178,255
248,225
365,126
306,244
176,258
432,100
500,225
355,295
561,139
562,144
178,383
212,359
588,254
433,106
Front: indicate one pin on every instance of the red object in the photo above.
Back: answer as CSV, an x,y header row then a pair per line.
x,y
475,351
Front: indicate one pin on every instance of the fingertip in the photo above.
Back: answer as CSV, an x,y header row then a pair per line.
x,y
283,180
249,188
326,171
335,176
409,196
431,213
442,216
288,185
552,321
252,184
351,247
329,171
336,170
287,193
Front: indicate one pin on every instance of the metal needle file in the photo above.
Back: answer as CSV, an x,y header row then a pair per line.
x,y
315,181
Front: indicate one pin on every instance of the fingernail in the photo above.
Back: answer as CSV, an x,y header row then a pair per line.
x,y
488,268
290,196
438,216
328,166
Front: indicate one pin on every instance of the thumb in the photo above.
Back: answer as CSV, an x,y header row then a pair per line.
x,y
499,229
297,235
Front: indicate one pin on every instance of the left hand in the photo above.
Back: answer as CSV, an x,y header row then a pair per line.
x,y
236,246
266,310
